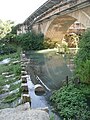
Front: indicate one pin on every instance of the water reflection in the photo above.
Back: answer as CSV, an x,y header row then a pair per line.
x,y
36,101
52,70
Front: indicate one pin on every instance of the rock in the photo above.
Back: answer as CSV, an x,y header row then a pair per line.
x,y
6,87
23,65
23,72
16,62
45,109
26,98
23,112
8,76
6,73
24,87
23,68
24,79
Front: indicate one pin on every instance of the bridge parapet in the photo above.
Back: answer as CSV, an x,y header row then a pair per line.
x,y
64,7
43,16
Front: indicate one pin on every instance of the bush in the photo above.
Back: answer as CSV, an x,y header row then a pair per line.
x,y
83,71
82,60
7,49
30,41
71,103
49,43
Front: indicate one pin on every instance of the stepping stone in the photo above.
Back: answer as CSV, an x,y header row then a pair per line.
x,y
23,68
26,98
24,87
16,62
8,76
24,79
6,73
23,65
23,72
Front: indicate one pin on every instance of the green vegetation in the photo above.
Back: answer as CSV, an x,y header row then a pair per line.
x,y
72,40
6,48
30,41
82,61
71,101
5,27
12,69
33,41
48,43
12,97
52,117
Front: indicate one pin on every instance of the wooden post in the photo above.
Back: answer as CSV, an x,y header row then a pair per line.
x,y
67,81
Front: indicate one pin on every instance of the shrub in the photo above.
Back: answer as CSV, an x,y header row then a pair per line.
x,y
30,41
48,43
70,102
7,49
83,71
82,60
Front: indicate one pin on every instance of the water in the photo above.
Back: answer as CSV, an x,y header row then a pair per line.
x,y
36,101
5,61
39,101
52,70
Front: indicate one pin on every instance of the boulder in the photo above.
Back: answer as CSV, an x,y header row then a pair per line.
x,y
23,112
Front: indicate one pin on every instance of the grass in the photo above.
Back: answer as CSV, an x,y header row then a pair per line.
x,y
13,87
12,69
12,80
12,97
2,80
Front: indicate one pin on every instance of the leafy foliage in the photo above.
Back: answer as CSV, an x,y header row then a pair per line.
x,y
71,39
48,43
71,103
5,27
30,41
33,41
82,60
7,48
83,71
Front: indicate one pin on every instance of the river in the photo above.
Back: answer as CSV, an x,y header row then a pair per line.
x,y
52,69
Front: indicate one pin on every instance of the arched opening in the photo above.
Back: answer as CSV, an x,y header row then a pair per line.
x,y
59,27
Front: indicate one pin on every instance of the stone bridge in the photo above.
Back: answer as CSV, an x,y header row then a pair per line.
x,y
54,18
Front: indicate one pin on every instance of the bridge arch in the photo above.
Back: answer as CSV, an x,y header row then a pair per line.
x,y
59,25
56,26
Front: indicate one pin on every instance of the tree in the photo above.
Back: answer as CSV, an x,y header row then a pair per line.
x,y
72,40
30,41
5,27
82,60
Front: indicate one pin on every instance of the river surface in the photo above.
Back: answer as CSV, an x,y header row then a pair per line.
x,y
52,70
